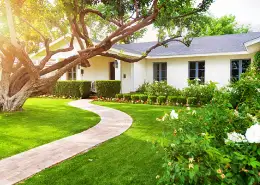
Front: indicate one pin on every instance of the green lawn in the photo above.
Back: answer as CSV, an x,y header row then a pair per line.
x,y
42,121
128,159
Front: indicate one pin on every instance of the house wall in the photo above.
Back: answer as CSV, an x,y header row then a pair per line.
x,y
217,69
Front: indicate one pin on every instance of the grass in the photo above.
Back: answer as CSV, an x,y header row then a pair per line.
x,y
130,158
42,121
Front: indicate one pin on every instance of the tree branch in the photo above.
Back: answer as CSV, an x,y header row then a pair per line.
x,y
146,53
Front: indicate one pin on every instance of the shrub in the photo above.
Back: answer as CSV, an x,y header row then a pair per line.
x,y
160,89
161,100
72,89
152,99
143,97
142,88
192,101
172,100
108,88
127,97
119,96
135,97
201,92
217,144
181,100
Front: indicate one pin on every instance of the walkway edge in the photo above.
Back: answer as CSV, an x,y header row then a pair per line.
x,y
22,166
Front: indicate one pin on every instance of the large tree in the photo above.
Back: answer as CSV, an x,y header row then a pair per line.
x,y
37,22
221,26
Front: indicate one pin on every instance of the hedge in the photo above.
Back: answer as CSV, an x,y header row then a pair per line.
x,y
182,100
192,101
143,97
152,99
119,96
127,97
135,97
72,89
108,88
172,99
161,100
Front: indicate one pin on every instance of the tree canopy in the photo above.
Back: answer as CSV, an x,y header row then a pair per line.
x,y
38,22
221,26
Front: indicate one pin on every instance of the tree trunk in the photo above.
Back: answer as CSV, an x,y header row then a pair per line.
x,y
11,104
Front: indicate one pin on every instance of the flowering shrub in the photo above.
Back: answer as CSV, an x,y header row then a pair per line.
x,y
160,89
220,143
192,101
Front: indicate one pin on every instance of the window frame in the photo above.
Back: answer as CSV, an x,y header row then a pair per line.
x,y
196,69
73,72
160,71
240,67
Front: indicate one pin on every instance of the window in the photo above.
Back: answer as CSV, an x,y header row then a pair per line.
x,y
72,74
160,71
238,67
197,70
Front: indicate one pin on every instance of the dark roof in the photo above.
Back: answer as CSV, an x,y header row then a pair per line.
x,y
199,45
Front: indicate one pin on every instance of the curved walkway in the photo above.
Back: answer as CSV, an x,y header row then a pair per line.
x,y
21,166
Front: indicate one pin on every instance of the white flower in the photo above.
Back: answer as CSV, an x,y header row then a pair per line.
x,y
236,113
188,108
235,137
253,118
253,134
165,117
174,115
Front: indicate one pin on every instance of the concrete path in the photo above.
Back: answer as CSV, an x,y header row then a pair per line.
x,y
21,166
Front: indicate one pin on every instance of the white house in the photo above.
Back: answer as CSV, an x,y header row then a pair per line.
x,y
211,58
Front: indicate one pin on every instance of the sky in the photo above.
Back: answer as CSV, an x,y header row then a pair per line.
x,y
246,12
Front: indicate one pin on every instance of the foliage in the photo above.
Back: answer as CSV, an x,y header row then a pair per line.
x,y
152,99
72,89
222,26
172,99
204,93
134,97
108,88
119,96
127,97
160,88
161,100
142,87
143,97
181,100
201,150
192,101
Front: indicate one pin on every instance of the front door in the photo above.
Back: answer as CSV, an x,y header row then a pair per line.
x,y
111,71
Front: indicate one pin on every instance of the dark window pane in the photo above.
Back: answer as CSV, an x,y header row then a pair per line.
x,y
235,64
245,65
192,65
201,74
235,73
192,73
164,66
201,65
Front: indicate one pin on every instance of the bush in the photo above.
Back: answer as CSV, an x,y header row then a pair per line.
x,y
127,97
192,101
108,88
72,89
203,93
160,89
142,88
161,100
119,96
152,99
135,97
181,100
172,100
143,97
217,144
